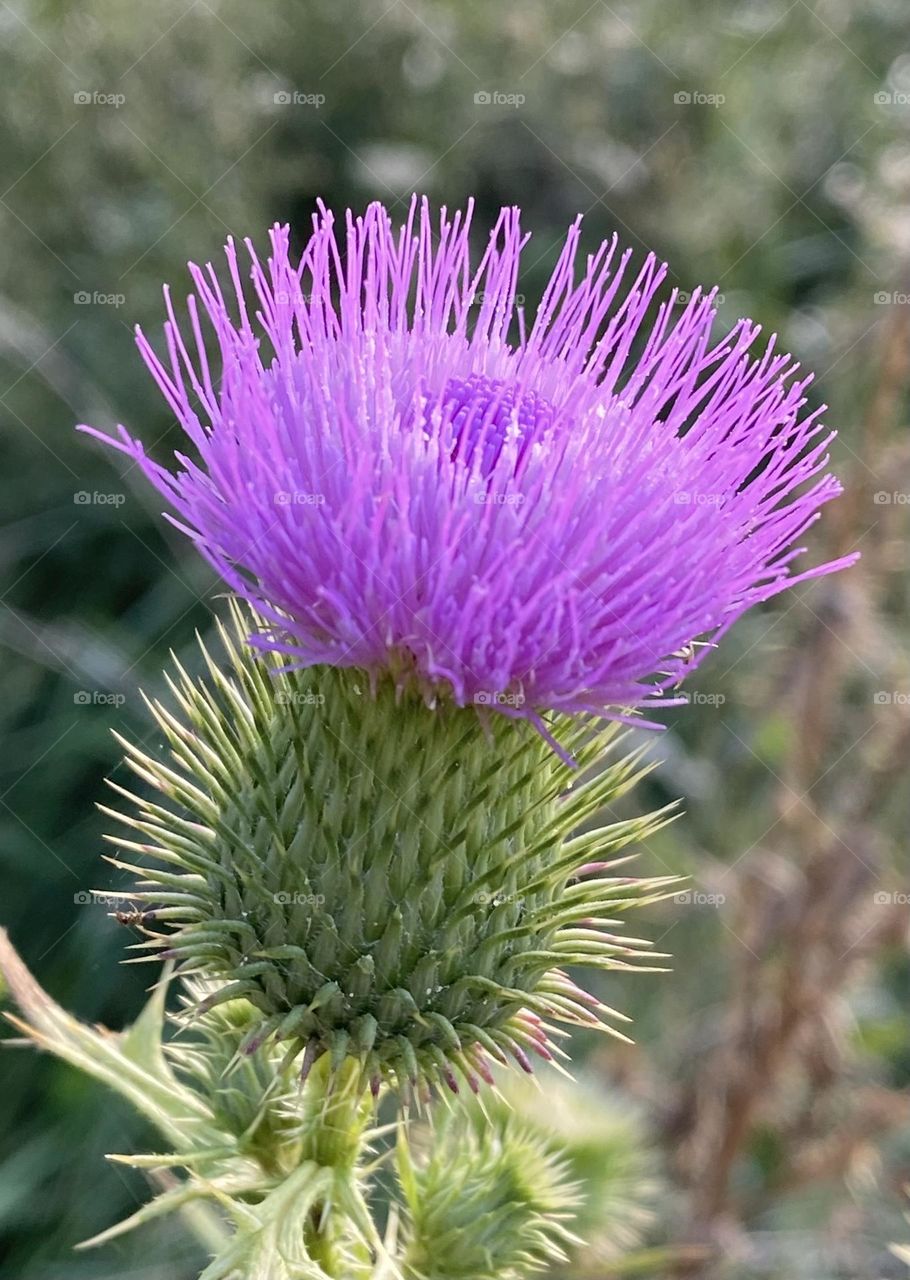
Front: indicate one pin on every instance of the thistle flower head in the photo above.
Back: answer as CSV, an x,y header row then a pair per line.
x,y
381,885
403,473
604,1139
488,1201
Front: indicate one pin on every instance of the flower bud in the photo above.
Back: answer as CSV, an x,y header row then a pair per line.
x,y
489,1199
382,882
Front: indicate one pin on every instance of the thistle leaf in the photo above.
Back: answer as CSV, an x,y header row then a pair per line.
x,y
130,1063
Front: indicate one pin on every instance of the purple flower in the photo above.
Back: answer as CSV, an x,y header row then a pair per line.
x,y
402,472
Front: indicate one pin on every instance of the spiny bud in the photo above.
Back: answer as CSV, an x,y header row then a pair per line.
x,y
488,1200
382,882
604,1141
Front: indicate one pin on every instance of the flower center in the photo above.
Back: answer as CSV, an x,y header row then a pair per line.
x,y
490,411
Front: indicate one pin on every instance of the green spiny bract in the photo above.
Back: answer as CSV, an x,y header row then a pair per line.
x,y
604,1140
284,1165
246,1144
381,881
253,1099
487,1201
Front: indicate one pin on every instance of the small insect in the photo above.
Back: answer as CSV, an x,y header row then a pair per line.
x,y
687,655
135,917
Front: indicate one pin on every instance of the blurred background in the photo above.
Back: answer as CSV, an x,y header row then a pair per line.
x,y
760,1127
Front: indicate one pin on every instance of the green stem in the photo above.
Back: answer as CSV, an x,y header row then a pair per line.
x,y
337,1110
666,1260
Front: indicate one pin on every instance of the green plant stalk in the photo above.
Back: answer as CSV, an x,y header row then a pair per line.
x,y
338,1110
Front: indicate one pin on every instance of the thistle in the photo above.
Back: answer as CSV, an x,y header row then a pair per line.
x,y
458,548
488,1198
469,546
403,474
360,873
608,1151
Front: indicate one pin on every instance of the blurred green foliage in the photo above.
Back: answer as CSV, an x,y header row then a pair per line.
x,y
758,144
